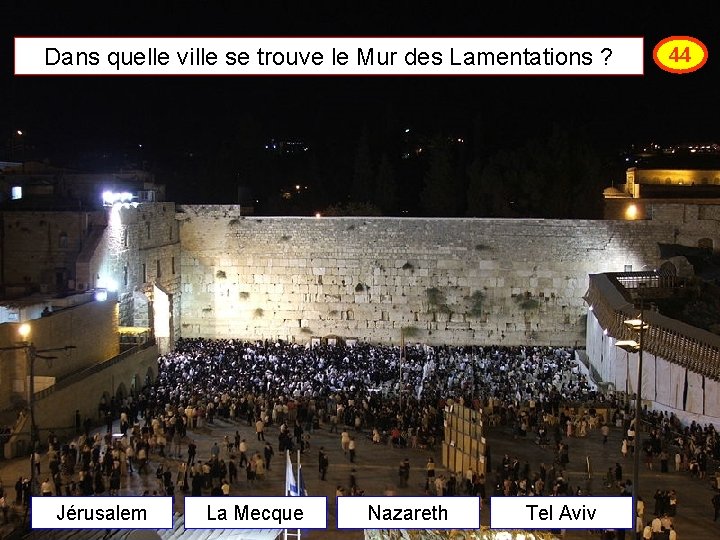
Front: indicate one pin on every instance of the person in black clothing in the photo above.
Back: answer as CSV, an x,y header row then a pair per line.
x,y
404,472
716,506
192,450
323,463
269,453
232,470
19,491
197,482
618,473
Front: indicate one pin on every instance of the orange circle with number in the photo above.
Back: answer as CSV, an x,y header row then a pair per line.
x,y
680,54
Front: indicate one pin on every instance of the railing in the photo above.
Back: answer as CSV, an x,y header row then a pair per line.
x,y
647,280
673,340
81,374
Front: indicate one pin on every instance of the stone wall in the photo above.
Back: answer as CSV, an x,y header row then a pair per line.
x,y
40,248
91,328
663,381
446,281
56,411
139,247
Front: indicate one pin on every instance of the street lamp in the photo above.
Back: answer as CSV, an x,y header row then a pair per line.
x,y
24,331
402,358
637,325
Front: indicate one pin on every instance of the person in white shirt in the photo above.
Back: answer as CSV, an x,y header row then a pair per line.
x,y
46,488
656,525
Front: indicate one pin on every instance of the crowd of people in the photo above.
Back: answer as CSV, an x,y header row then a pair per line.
x,y
369,391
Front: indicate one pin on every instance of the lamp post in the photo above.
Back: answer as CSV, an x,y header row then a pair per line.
x,y
638,325
31,353
402,357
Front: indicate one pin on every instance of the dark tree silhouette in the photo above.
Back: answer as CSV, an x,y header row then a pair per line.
x,y
386,189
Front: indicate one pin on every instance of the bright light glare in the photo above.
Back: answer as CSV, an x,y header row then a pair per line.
x,y
318,214
631,212
107,283
101,295
24,330
109,197
629,345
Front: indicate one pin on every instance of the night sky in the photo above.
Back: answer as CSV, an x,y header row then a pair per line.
x,y
95,122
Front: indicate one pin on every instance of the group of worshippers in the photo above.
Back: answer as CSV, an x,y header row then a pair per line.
x,y
397,398
364,386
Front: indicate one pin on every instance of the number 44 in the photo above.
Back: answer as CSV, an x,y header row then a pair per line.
x,y
676,55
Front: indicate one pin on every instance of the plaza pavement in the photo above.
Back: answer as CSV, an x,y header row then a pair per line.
x,y
377,466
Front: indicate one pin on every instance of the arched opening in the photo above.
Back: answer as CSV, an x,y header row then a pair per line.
x,y
135,384
149,377
668,269
121,393
104,404
705,243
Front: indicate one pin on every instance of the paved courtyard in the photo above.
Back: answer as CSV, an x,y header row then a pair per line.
x,y
376,471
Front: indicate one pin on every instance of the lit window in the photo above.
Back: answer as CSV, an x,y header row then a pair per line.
x,y
16,193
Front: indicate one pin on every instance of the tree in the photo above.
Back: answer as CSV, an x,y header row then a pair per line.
x,y
488,190
362,180
386,189
554,177
352,209
441,195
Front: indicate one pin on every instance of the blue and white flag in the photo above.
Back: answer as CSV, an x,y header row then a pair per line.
x,y
290,484
302,492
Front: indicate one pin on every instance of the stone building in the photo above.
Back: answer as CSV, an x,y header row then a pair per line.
x,y
646,187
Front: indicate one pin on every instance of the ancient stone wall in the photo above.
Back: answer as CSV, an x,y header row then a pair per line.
x,y
91,328
445,281
56,410
40,248
139,247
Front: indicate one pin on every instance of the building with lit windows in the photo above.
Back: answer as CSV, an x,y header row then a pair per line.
x,y
663,182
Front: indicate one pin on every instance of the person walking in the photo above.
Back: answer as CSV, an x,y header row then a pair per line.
x,y
232,470
404,472
605,430
351,449
243,448
430,472
323,463
268,453
716,506
260,430
192,450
